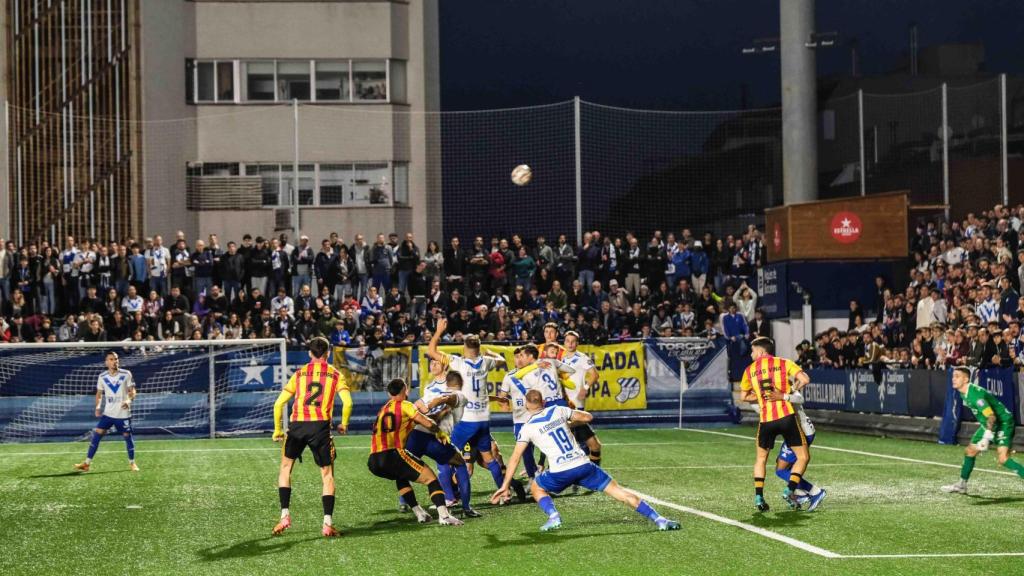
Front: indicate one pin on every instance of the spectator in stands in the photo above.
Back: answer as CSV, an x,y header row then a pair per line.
x,y
736,330
408,256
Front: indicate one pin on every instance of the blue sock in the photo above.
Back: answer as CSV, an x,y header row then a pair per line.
x,y
495,469
805,485
444,477
644,509
129,443
782,473
529,462
548,507
465,492
94,444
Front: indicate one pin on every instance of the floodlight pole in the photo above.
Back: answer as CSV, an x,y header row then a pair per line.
x,y
579,171
295,171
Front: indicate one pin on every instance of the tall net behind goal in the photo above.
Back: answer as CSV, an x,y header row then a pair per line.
x,y
203,388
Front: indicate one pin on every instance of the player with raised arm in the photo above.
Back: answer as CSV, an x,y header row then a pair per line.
x,y
442,401
997,425
314,387
767,381
584,378
475,427
115,392
548,428
389,459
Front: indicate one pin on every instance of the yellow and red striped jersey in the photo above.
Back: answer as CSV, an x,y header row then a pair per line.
x,y
392,426
769,373
314,387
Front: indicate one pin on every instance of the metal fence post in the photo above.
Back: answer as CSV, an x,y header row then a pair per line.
x,y
283,351
945,149
213,393
1003,149
579,172
860,141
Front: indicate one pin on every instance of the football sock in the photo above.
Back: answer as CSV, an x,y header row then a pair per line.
x,y
285,513
759,486
967,468
783,474
129,443
595,457
529,462
406,493
548,506
794,481
94,444
437,496
328,521
284,493
444,476
465,493
644,509
1012,464
328,501
495,469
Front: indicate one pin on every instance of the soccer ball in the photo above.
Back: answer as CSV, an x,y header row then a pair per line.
x,y
521,175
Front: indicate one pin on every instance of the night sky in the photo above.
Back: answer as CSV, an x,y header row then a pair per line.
x,y
685,54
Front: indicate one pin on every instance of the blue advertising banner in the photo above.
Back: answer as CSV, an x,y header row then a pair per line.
x,y
772,290
857,391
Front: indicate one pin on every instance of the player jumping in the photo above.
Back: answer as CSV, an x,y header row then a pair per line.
x,y
314,386
544,375
767,380
389,459
115,392
996,425
585,378
474,429
548,428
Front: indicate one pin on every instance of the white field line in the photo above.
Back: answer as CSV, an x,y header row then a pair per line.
x,y
268,448
745,466
743,526
858,452
938,555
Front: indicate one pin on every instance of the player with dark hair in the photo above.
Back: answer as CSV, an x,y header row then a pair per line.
x,y
769,380
548,428
314,387
117,387
389,459
997,426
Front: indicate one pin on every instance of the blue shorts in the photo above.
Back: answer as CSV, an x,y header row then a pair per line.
x,y
787,455
122,425
474,434
588,475
420,443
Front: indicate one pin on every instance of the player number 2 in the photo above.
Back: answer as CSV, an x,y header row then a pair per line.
x,y
561,439
314,394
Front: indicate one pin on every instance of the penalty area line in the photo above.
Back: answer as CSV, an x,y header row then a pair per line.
x,y
742,525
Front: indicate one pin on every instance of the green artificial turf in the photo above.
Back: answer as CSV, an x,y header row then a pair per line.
x,y
207,507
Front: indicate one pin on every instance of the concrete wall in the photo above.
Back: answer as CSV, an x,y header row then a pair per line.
x,y
168,129
317,223
788,333
5,181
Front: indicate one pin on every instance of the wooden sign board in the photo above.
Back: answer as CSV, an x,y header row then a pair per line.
x,y
867,227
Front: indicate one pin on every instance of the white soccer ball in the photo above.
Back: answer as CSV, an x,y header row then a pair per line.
x,y
521,175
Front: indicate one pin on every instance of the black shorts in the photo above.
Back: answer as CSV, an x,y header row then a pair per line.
x,y
316,435
788,427
395,465
583,433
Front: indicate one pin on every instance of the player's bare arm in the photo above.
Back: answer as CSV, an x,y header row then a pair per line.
x,y
432,351
99,403
510,471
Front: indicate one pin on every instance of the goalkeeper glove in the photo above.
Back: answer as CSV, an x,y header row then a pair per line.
x,y
986,440
442,437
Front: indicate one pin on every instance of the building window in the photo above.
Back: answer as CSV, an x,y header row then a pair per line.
x,y
205,82
332,81
293,80
225,81
334,181
370,184
396,81
259,80
210,81
270,176
370,80
401,183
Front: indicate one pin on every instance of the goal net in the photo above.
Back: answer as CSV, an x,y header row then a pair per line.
x,y
204,388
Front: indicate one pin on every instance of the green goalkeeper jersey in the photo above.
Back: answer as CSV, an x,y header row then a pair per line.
x,y
983,403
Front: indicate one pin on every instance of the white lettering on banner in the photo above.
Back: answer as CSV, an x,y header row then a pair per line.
x,y
994,385
825,393
769,282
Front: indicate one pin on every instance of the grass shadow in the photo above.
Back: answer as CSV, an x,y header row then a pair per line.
x,y
74,473
495,542
254,548
390,526
988,500
780,518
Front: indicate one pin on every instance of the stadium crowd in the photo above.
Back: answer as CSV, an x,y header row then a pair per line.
x,y
388,290
961,305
